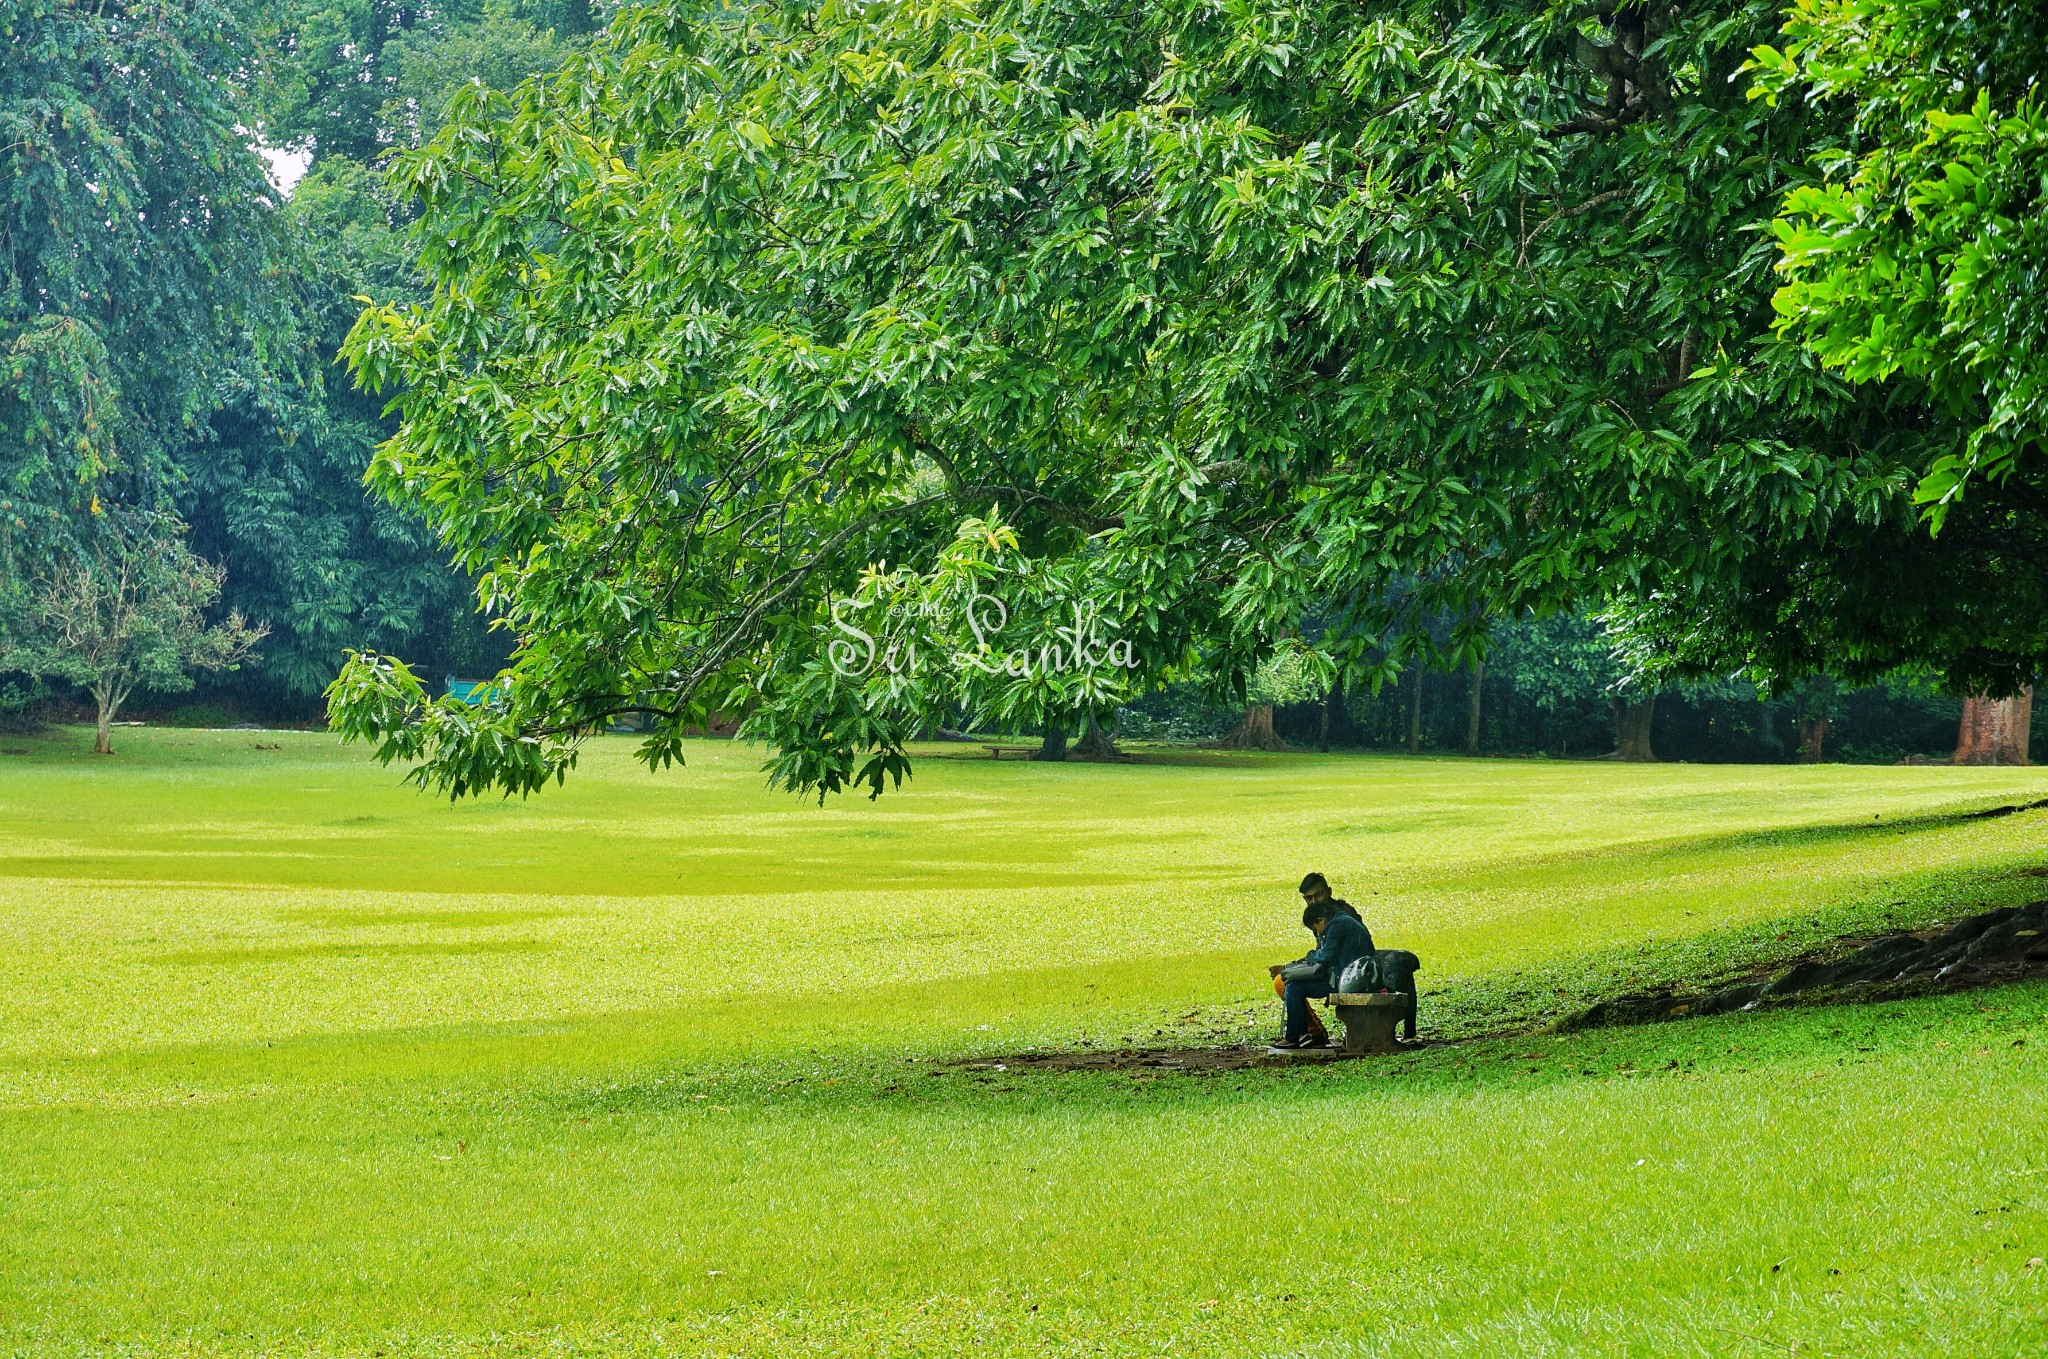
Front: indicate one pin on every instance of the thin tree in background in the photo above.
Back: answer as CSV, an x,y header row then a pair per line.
x,y
1472,708
1415,712
127,611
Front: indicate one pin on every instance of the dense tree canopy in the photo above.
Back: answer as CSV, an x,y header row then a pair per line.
x,y
138,252
1914,264
1239,308
271,479
1924,252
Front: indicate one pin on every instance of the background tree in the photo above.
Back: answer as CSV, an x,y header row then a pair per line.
x,y
1567,661
1995,730
270,476
358,78
167,317
1474,709
138,253
1289,676
1816,701
128,610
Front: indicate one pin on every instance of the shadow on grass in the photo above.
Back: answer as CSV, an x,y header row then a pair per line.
x,y
295,952
1802,1043
1509,1000
351,917
1650,852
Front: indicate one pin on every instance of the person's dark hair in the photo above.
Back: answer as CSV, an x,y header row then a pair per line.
x,y
1313,880
1311,914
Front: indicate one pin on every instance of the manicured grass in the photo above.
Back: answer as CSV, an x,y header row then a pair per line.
x,y
295,1060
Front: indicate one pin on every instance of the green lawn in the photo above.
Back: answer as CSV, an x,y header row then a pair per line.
x,y
294,1060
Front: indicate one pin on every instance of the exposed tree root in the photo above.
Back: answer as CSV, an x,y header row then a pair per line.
x,y
2006,945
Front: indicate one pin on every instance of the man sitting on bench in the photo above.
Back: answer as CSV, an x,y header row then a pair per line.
x,y
1315,889
1340,941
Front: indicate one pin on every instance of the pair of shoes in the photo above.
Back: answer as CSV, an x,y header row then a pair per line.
x,y
1305,1041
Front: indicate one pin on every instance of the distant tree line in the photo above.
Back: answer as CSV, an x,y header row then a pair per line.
x,y
1554,687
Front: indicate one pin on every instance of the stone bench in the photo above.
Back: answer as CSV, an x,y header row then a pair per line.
x,y
1369,1019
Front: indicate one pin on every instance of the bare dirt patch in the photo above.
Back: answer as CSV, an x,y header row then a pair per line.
x,y
1164,1061
1992,949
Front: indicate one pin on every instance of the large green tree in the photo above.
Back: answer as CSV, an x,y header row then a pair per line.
x,y
1912,262
138,252
1225,309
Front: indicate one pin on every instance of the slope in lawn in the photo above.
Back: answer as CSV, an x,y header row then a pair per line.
x,y
297,1060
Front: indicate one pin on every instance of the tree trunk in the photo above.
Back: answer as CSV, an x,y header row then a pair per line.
x,y
1812,732
1632,729
1254,731
1472,708
1996,730
109,701
1097,741
1054,746
1415,715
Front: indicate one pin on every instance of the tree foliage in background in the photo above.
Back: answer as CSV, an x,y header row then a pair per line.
x,y
359,78
272,477
1551,686
166,320
138,253
128,609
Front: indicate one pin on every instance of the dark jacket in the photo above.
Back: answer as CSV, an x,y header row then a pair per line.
x,y
1344,940
1339,906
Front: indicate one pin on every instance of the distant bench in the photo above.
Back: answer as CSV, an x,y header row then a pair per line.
x,y
1370,1018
